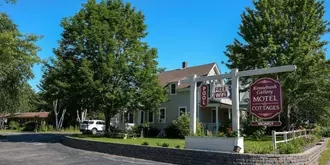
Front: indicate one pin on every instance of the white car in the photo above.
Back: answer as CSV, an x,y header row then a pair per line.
x,y
92,126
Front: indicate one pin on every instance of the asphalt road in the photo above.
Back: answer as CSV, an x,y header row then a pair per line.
x,y
44,149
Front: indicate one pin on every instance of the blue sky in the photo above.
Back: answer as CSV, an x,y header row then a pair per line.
x,y
182,30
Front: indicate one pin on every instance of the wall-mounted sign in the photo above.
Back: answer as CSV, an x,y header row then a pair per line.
x,y
265,98
221,92
204,95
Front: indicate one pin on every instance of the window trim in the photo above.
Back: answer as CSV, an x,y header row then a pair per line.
x,y
128,114
185,111
153,116
175,86
164,120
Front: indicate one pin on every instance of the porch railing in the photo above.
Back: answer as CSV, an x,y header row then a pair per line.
x,y
211,127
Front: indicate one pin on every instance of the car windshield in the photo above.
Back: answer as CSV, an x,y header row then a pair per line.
x,y
87,122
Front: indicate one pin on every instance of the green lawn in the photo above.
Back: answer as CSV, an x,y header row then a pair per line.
x,y
137,141
250,145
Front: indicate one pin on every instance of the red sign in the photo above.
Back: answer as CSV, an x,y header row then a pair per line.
x,y
265,98
220,92
204,95
266,123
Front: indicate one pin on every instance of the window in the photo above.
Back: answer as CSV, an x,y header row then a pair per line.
x,y
141,117
162,115
182,110
88,122
173,89
129,117
100,122
150,117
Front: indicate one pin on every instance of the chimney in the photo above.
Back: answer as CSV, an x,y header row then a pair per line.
x,y
184,65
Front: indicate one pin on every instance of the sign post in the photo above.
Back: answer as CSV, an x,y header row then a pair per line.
x,y
234,75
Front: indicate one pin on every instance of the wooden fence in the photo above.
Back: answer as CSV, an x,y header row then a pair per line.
x,y
289,135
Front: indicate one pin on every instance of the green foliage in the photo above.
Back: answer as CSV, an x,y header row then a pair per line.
x,y
290,148
102,64
297,145
165,144
179,128
249,131
145,143
325,132
18,53
287,32
29,126
257,149
14,125
325,155
177,146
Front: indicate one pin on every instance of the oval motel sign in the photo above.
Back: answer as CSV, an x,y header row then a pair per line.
x,y
265,98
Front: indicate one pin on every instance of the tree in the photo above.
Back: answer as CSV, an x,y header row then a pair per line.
x,y
159,70
287,32
18,53
102,61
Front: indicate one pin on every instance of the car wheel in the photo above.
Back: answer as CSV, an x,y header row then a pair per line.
x,y
94,131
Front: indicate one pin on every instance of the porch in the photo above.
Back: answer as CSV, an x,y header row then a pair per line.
x,y
214,115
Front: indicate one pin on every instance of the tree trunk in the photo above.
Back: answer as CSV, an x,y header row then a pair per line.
x,y
287,117
61,120
56,113
107,123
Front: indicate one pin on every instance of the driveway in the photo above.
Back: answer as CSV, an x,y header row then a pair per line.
x,y
43,149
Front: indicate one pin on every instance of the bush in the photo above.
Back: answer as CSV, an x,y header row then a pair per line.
x,y
257,149
153,132
179,128
289,148
145,143
324,132
165,144
14,125
177,146
256,132
29,126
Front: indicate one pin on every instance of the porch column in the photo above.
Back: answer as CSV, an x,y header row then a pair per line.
x,y
217,118
229,114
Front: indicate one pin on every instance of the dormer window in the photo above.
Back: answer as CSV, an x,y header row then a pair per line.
x,y
173,89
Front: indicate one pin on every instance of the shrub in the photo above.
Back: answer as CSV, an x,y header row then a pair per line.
x,y
29,126
158,144
177,146
165,144
14,125
153,132
289,148
145,143
257,149
324,132
256,132
179,128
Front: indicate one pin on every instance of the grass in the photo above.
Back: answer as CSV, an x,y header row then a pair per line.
x,y
325,155
250,145
253,146
137,141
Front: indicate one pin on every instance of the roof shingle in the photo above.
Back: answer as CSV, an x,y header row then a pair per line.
x,y
179,74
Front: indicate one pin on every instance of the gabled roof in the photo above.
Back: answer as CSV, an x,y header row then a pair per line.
x,y
167,77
